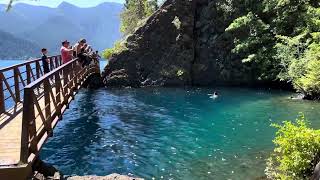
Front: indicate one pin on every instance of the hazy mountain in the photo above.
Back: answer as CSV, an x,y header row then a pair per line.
x,y
16,48
47,27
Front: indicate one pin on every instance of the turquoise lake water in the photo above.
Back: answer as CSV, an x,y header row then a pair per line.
x,y
172,133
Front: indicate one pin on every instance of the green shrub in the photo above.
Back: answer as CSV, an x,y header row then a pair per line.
x,y
296,153
117,48
309,82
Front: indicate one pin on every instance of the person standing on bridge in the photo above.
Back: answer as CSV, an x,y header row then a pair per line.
x,y
66,52
45,61
77,47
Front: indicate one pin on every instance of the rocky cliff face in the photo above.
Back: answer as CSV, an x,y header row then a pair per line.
x,y
183,43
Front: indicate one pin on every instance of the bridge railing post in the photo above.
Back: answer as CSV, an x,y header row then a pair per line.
x,y
28,125
56,61
58,93
38,70
16,84
60,60
2,103
65,78
28,71
71,83
51,63
47,104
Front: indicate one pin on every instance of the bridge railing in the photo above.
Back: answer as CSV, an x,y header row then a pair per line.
x,y
14,78
44,102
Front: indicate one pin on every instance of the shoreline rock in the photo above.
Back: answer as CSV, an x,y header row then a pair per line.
x,y
44,171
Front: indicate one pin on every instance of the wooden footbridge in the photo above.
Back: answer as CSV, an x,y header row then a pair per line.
x,y
31,105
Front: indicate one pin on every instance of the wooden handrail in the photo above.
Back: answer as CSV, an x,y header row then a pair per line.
x,y
48,75
46,108
23,64
14,78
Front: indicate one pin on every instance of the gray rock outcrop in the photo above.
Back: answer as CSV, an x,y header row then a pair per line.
x,y
182,43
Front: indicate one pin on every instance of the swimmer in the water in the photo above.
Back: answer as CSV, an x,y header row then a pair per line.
x,y
214,95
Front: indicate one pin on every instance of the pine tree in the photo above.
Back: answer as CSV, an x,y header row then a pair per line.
x,y
135,11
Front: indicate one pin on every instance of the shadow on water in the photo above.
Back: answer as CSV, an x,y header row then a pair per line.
x,y
78,130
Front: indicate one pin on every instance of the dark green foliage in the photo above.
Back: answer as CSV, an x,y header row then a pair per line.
x,y
117,48
134,12
280,36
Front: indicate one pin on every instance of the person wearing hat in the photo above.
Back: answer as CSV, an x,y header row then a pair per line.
x,y
66,52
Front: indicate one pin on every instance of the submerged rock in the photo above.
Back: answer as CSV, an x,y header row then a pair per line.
x,y
94,81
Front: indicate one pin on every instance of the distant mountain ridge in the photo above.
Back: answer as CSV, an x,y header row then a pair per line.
x,y
47,27
16,48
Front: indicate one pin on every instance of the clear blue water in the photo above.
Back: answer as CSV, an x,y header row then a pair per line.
x,y
6,63
172,133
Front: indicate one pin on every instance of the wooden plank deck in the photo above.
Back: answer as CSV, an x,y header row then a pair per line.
x,y
10,132
10,138
25,127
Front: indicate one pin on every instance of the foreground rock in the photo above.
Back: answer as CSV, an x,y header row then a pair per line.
x,y
109,177
44,171
183,43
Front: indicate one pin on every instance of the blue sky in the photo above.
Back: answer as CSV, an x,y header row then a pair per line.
x,y
55,3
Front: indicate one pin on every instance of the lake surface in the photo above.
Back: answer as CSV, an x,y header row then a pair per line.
x,y
171,133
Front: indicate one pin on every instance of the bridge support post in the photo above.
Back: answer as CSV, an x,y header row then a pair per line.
x,y
56,61
47,104
65,75
2,103
16,84
28,125
28,68
71,83
38,70
58,94
51,63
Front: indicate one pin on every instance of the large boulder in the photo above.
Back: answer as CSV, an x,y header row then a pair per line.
x,y
183,43
160,52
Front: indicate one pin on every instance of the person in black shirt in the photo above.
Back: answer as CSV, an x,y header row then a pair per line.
x,y
45,61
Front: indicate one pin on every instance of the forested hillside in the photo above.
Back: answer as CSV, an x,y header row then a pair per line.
x,y
16,48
